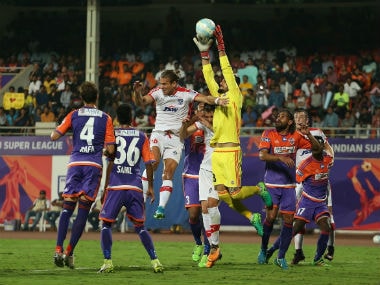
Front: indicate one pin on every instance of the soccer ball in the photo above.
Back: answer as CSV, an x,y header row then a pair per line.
x,y
204,29
376,239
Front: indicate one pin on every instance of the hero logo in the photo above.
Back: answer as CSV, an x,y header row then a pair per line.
x,y
170,109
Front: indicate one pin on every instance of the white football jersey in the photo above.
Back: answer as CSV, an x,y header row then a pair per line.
x,y
206,162
303,153
172,109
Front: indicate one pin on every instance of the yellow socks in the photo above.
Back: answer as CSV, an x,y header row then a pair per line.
x,y
235,204
245,192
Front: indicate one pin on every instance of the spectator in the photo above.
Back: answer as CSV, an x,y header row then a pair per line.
x,y
249,117
328,95
249,99
40,205
93,216
34,85
55,210
261,99
22,119
317,122
47,115
250,70
331,75
374,95
290,104
365,117
286,87
11,117
301,101
376,123
3,120
331,119
316,101
276,97
347,123
343,74
42,97
308,87
245,85
352,88
66,96
37,115
341,102
141,119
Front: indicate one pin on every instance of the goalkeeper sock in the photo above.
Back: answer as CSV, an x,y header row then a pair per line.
x,y
235,204
245,192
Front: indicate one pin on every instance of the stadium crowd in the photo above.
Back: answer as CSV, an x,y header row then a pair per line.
x,y
340,89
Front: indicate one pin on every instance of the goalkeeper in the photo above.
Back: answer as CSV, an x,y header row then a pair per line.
x,y
227,155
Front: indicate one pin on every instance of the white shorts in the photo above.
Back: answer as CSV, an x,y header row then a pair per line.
x,y
169,144
206,185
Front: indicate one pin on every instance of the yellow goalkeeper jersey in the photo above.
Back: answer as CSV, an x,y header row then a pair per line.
x,y
227,119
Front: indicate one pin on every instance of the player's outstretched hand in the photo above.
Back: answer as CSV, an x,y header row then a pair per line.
x,y
137,86
219,38
203,46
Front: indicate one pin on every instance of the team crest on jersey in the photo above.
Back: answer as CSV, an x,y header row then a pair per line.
x,y
291,141
180,101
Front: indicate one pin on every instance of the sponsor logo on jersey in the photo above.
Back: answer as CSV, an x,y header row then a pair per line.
x,y
170,109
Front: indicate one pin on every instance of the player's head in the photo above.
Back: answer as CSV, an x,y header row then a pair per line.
x,y
318,150
124,114
301,118
89,92
168,82
208,112
223,87
285,121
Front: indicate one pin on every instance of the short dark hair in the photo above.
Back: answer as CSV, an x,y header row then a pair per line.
x,y
124,114
292,127
208,108
89,92
171,75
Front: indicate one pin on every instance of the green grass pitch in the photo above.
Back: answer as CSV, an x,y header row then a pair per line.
x,y
30,261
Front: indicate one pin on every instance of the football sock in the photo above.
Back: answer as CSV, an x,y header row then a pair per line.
x,y
146,240
79,224
267,227
145,184
207,226
276,245
106,239
321,245
215,219
196,230
64,221
298,239
165,191
245,192
285,239
235,204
